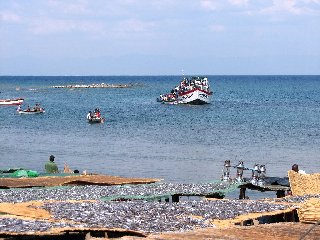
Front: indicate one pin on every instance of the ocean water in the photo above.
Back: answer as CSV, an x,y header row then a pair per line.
x,y
271,120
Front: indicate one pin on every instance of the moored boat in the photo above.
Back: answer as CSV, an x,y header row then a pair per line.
x,y
11,102
193,90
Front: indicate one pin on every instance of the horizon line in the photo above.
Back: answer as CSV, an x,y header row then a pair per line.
x,y
158,75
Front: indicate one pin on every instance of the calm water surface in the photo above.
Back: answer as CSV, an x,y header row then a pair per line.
x,y
272,120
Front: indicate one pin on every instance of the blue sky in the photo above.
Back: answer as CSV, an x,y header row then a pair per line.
x,y
159,37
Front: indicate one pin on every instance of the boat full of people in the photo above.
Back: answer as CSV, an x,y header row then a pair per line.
x,y
192,90
35,110
95,116
11,102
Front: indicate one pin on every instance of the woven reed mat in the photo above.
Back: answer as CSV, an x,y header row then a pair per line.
x,y
310,211
72,180
302,184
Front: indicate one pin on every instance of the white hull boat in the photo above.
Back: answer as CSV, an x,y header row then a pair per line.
x,y
194,90
195,96
11,102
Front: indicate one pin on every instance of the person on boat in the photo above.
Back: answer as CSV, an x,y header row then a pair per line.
x,y
97,113
51,166
28,109
37,107
89,115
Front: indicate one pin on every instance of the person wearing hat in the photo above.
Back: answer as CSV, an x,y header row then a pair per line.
x,y
51,166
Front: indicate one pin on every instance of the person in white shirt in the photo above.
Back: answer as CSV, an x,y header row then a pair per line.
x,y
89,115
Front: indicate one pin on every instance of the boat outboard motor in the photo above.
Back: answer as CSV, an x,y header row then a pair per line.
x,y
226,171
240,168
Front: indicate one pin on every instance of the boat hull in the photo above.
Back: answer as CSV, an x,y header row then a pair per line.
x,y
96,120
170,102
31,112
196,97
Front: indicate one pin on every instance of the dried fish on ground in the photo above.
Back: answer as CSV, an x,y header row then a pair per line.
x,y
155,216
95,192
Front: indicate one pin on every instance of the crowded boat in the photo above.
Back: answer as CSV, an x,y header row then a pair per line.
x,y
193,90
35,110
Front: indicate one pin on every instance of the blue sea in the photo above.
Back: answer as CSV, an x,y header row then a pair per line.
x,y
271,120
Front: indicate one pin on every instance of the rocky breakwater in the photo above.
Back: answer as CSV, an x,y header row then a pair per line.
x,y
95,85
